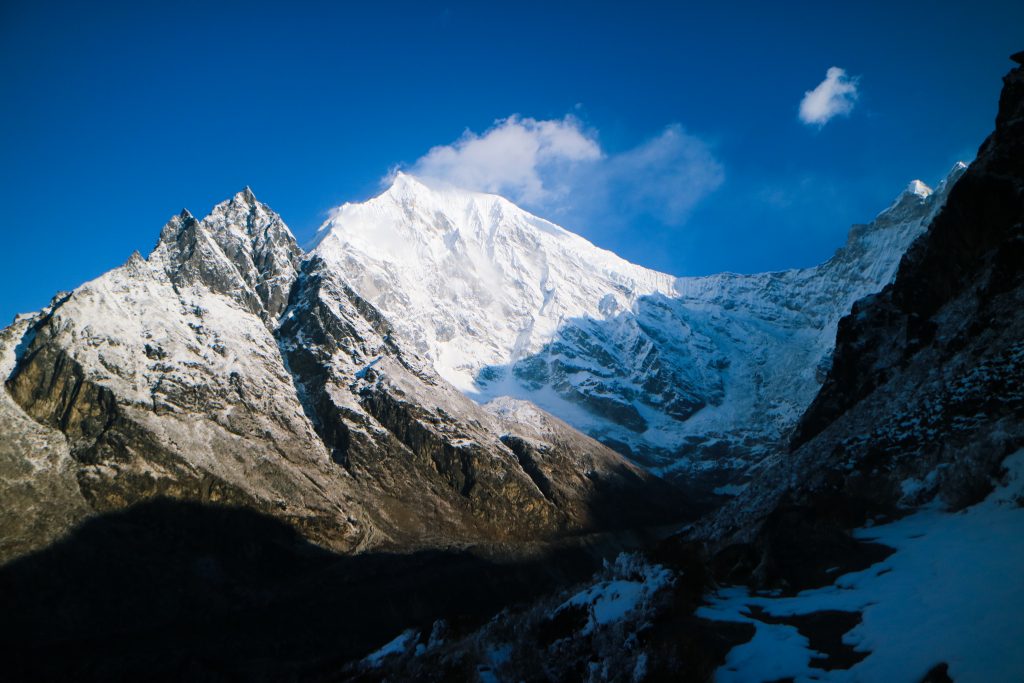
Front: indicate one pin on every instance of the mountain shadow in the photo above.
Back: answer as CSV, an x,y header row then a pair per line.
x,y
691,394
171,590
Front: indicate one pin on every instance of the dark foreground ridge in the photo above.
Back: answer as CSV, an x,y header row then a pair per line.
x,y
925,398
174,590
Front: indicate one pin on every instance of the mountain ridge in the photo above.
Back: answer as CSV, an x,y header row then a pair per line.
x,y
185,389
636,358
172,377
156,370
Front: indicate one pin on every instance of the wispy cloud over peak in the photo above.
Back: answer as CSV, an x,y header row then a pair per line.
x,y
517,157
834,96
557,168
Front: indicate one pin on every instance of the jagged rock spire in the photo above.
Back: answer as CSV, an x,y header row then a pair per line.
x,y
242,249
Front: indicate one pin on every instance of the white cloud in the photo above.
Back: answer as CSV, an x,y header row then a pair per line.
x,y
517,157
834,96
558,169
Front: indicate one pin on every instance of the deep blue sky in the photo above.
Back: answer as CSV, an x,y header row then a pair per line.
x,y
115,116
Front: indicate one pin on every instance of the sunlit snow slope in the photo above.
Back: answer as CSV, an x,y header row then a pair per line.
x,y
471,278
690,375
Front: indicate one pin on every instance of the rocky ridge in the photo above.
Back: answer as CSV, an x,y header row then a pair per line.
x,y
229,367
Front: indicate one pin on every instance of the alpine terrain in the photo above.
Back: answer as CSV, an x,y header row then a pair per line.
x,y
455,441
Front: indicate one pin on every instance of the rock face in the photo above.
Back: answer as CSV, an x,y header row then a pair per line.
x,y
698,377
228,367
242,250
541,441
38,481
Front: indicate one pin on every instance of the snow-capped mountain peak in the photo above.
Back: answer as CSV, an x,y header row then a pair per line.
x,y
471,279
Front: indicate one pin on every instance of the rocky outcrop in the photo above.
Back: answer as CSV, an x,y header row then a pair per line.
x,y
972,248
424,453
569,468
38,482
242,250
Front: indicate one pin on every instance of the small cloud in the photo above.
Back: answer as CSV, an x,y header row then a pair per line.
x,y
518,157
558,169
834,96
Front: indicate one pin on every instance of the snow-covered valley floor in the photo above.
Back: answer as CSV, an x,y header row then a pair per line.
x,y
952,593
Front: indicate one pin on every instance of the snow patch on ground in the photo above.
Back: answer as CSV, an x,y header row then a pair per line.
x,y
613,599
952,592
